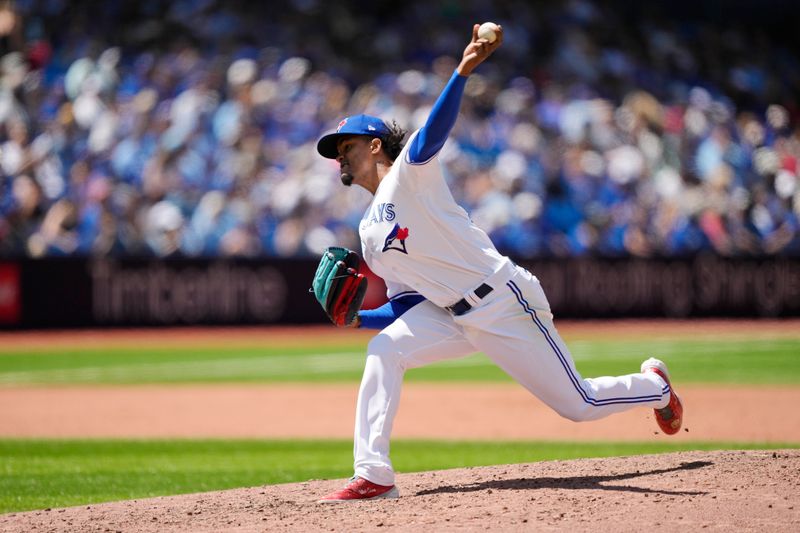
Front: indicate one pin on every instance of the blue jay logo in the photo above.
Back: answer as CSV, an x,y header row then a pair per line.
x,y
396,240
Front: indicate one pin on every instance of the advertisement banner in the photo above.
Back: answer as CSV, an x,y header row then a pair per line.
x,y
57,293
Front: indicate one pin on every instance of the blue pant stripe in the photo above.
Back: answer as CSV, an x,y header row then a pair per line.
x,y
573,378
548,338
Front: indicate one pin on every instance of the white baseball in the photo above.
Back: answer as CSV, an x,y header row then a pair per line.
x,y
487,31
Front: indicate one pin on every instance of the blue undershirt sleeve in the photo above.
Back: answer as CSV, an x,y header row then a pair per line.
x,y
384,315
434,133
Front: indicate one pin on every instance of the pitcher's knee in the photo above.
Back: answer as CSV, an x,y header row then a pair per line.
x,y
575,412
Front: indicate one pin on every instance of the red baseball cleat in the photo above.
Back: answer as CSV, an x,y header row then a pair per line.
x,y
669,418
361,489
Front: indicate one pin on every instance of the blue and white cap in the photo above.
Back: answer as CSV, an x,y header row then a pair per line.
x,y
355,125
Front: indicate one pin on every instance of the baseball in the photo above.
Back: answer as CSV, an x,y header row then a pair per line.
x,y
487,31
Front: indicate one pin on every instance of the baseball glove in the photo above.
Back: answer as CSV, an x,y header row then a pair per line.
x,y
338,286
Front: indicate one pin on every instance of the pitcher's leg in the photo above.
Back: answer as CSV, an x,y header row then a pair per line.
x,y
423,335
526,345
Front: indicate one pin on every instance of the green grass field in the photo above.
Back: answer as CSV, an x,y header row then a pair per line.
x,y
770,361
36,474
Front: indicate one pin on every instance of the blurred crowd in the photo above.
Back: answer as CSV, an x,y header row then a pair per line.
x,y
188,128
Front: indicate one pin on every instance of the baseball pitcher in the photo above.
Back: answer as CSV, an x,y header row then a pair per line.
x,y
451,293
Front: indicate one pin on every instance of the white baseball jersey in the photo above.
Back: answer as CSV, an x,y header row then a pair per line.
x,y
417,238
415,235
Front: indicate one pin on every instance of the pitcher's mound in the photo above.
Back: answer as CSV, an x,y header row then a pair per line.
x,y
695,491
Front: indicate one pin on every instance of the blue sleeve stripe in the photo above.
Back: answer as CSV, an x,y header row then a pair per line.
x,y
384,315
432,136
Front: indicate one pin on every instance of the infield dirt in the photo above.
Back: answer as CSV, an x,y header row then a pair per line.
x,y
694,491
471,411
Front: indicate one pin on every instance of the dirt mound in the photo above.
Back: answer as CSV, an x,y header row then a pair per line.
x,y
721,491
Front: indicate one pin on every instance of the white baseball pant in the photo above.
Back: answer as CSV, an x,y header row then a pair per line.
x,y
514,327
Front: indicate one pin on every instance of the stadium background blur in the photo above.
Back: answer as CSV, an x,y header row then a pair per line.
x,y
188,128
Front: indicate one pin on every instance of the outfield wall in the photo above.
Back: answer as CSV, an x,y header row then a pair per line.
x,y
105,292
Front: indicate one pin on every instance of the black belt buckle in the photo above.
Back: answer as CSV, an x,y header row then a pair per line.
x,y
462,306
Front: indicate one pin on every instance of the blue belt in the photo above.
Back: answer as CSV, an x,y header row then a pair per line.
x,y
462,306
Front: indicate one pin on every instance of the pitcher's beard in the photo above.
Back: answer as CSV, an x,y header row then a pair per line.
x,y
347,179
